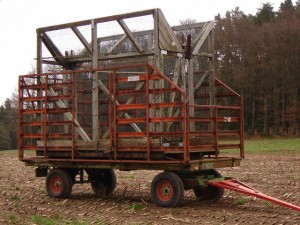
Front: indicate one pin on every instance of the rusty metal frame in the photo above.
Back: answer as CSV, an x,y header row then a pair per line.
x,y
147,75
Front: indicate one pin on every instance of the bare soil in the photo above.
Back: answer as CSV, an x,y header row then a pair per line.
x,y
22,196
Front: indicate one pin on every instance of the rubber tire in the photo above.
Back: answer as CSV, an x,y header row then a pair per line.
x,y
59,183
170,182
209,193
103,181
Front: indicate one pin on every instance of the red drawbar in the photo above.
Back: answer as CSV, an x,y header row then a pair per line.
x,y
237,186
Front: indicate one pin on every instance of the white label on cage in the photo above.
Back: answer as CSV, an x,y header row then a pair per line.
x,y
133,78
179,55
163,52
227,119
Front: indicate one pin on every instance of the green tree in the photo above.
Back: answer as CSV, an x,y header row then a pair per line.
x,y
9,123
265,14
286,8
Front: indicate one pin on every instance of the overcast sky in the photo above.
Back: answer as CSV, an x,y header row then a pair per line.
x,y
20,18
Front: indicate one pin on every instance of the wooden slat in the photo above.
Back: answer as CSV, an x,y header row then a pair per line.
x,y
130,35
82,39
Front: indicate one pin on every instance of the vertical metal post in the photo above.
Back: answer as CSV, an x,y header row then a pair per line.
x,y
20,120
147,113
74,106
242,154
186,132
45,115
95,97
216,131
115,114
110,111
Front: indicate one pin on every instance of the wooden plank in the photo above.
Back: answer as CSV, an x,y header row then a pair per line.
x,y
68,115
201,80
53,50
106,91
95,90
103,57
118,43
130,35
98,20
82,39
164,28
202,37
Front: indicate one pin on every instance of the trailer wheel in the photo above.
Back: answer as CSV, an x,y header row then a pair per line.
x,y
209,193
167,190
59,183
103,181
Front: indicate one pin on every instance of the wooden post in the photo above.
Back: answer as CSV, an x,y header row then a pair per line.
x,y
95,97
212,65
190,81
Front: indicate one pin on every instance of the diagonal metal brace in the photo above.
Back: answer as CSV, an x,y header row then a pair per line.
x,y
238,186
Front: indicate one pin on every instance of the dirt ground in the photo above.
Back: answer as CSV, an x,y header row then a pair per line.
x,y
23,199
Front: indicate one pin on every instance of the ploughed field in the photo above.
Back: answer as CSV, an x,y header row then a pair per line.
x,y
23,197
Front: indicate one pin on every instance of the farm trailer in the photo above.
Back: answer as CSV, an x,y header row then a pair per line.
x,y
133,96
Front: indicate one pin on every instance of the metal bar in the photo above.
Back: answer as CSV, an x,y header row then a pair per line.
x,y
73,114
242,143
45,117
238,186
115,126
148,115
110,110
216,133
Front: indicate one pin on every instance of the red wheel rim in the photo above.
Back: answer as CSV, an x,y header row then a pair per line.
x,y
56,184
164,191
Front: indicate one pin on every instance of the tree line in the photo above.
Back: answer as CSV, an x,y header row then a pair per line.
x,y
257,55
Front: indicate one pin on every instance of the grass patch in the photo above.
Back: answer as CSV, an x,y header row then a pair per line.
x,y
13,219
39,220
130,177
13,152
136,207
240,201
15,197
266,145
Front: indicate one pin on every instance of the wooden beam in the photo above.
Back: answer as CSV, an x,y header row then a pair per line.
x,y
166,30
130,35
98,20
119,42
106,91
68,115
82,39
201,80
53,50
198,42
103,57
95,90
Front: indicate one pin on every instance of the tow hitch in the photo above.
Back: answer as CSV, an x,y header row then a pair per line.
x,y
234,185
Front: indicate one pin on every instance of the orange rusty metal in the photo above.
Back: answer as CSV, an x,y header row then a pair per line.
x,y
39,114
238,186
